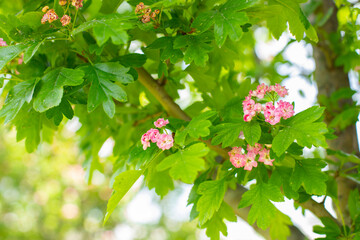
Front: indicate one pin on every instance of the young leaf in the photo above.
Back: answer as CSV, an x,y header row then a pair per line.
x,y
197,48
262,210
227,133
198,127
252,132
123,183
185,163
103,89
307,173
8,53
279,227
51,87
216,224
16,98
212,196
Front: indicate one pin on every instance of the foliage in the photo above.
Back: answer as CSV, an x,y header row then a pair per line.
x,y
117,66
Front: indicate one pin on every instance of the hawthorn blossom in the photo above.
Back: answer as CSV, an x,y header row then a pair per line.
x,y
62,2
44,9
265,157
2,43
165,141
77,3
161,123
286,109
145,140
280,90
234,151
49,16
238,160
250,161
254,149
153,134
261,90
65,20
272,116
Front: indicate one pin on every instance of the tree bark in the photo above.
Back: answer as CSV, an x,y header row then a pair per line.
x,y
330,78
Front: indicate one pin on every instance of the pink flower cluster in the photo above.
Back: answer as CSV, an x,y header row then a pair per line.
x,y
250,159
163,141
271,113
2,43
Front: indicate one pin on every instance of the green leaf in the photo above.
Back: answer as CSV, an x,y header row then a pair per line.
x,y
168,51
112,26
252,132
28,125
354,204
132,60
139,157
123,182
8,53
212,196
160,181
226,133
57,112
197,48
307,173
331,229
197,127
103,89
302,128
51,87
227,20
279,12
279,227
31,50
16,98
216,224
262,210
185,163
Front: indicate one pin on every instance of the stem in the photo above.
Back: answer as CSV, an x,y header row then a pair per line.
x,y
341,216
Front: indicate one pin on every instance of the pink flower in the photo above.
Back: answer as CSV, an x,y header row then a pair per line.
x,y
77,3
2,43
161,123
272,116
248,117
250,161
265,157
65,20
281,91
254,149
145,140
286,109
238,160
234,151
165,141
261,90
153,135
50,16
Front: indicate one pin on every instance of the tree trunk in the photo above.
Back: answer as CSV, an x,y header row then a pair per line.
x,y
330,78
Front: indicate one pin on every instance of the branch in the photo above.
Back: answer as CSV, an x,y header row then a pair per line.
x,y
170,106
317,209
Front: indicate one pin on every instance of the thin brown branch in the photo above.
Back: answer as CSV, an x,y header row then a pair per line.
x,y
318,209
